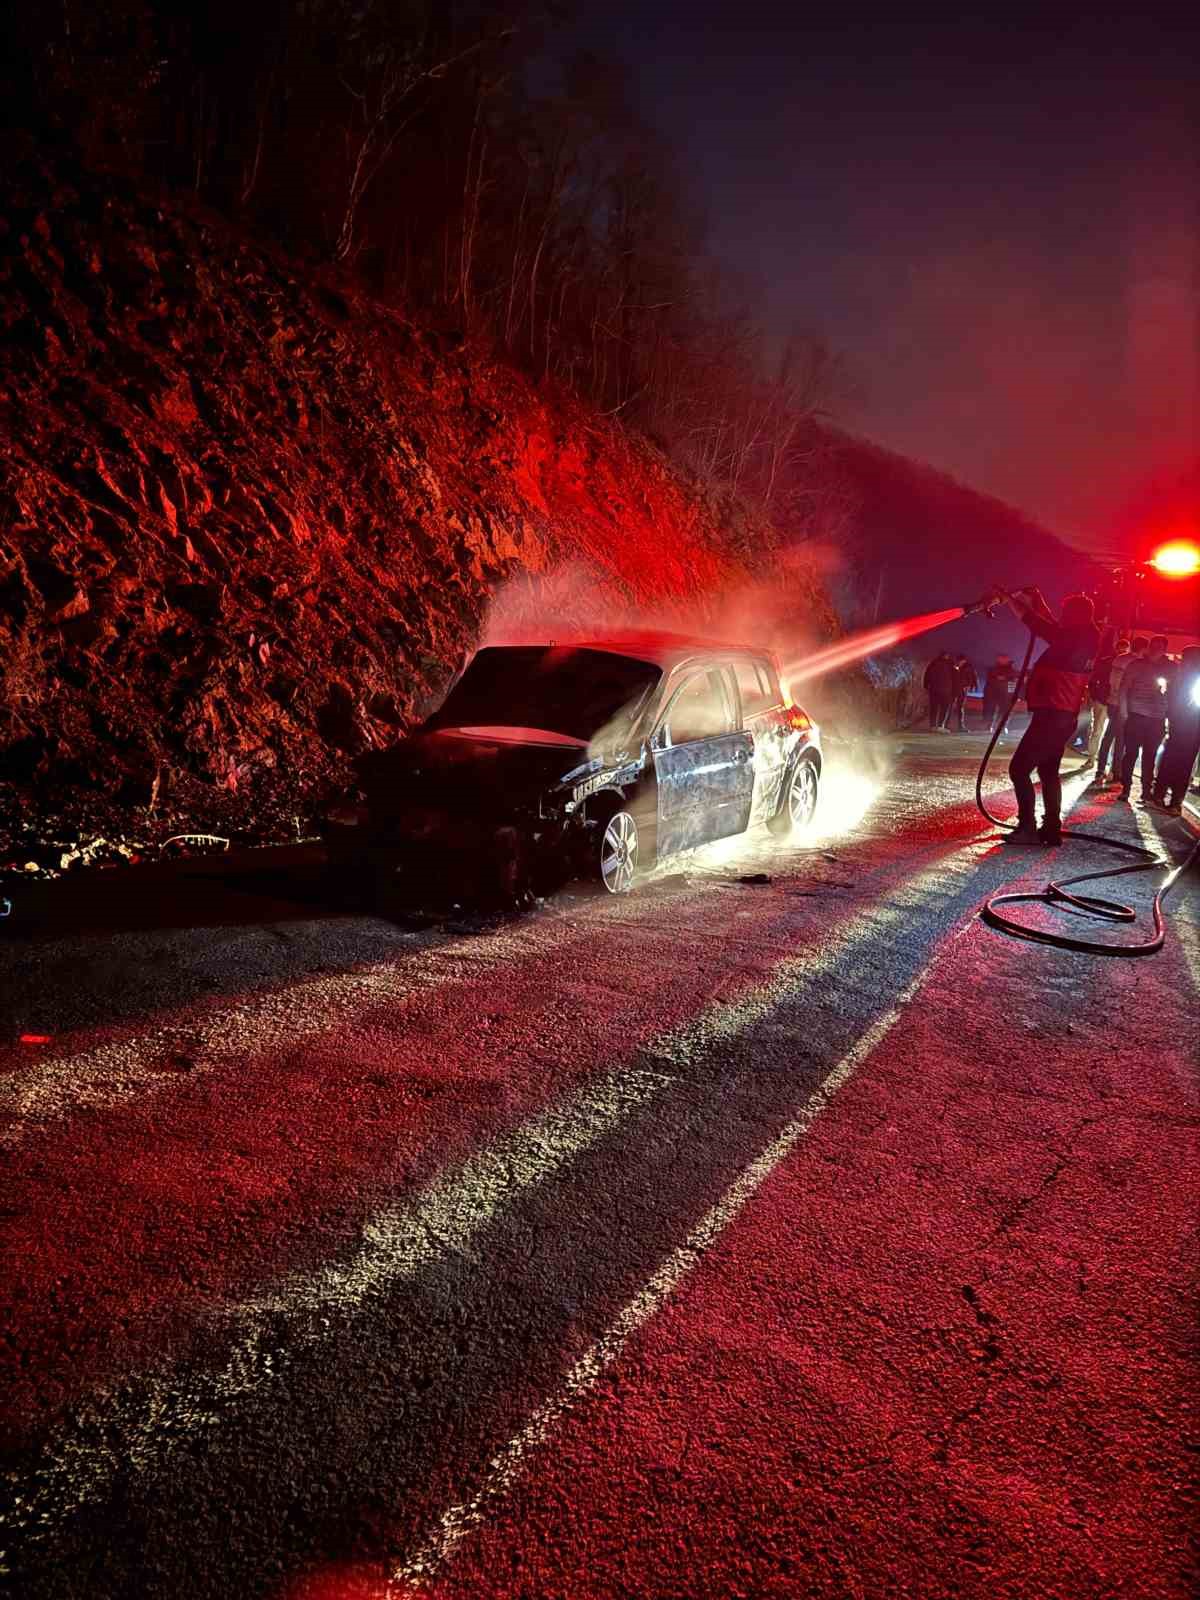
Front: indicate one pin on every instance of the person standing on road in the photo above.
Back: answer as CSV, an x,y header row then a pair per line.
x,y
1183,742
964,684
1054,695
939,685
997,692
1108,757
1144,706
1098,704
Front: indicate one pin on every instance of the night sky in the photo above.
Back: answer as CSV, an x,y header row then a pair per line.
x,y
996,223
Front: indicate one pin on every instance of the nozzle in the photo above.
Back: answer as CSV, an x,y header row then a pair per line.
x,y
987,604
996,596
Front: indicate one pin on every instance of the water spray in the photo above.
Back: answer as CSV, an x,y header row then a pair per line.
x,y
870,641
866,642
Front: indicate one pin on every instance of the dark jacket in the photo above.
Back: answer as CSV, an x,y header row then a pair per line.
x,y
939,677
1100,681
964,678
1060,675
999,682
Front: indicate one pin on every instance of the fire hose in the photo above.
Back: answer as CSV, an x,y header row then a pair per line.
x,y
1057,892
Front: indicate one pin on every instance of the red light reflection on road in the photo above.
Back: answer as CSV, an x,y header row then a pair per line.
x,y
789,1388
186,1200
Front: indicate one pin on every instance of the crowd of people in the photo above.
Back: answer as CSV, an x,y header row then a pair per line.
x,y
1140,709
948,681
1145,714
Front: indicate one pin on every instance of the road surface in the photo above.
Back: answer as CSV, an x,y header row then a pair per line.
x,y
740,1238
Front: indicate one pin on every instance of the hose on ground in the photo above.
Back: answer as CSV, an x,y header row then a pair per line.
x,y
1057,892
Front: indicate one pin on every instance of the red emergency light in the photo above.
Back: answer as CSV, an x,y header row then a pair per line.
x,y
1179,559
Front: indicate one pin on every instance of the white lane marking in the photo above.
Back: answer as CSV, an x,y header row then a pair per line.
x,y
134,1428
112,1074
503,1469
399,1241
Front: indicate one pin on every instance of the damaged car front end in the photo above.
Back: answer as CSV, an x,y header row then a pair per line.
x,y
554,762
490,797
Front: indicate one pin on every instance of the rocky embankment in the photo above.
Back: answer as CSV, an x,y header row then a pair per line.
x,y
251,521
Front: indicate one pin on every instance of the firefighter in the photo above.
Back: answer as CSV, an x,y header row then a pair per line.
x,y
1055,693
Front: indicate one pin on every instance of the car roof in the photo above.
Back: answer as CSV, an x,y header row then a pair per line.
x,y
664,650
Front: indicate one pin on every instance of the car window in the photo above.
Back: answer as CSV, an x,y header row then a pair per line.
x,y
581,693
753,686
769,679
700,709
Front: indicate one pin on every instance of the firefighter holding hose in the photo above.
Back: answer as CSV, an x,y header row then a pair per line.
x,y
1055,694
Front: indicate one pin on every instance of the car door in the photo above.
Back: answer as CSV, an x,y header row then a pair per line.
x,y
761,703
703,763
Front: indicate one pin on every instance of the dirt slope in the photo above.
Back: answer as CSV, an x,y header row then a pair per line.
x,y
250,521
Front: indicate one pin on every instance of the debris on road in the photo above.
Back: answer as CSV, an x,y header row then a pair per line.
x,y
99,852
198,842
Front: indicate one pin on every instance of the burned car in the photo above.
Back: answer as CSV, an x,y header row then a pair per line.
x,y
596,759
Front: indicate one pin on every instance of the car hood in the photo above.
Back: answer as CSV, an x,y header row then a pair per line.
x,y
473,769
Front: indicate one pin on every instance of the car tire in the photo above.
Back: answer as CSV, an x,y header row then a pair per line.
x,y
798,803
618,851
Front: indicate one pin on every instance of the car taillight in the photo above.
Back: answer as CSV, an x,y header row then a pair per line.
x,y
797,719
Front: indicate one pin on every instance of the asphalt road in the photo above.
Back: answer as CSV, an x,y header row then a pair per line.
x,y
739,1238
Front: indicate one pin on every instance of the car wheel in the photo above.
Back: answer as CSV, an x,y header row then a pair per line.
x,y
618,856
799,800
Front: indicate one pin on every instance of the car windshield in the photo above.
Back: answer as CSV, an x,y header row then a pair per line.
x,y
585,694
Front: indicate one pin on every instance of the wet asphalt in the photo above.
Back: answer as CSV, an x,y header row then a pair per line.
x,y
779,1229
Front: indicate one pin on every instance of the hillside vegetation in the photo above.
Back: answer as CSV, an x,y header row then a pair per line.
x,y
251,520
339,332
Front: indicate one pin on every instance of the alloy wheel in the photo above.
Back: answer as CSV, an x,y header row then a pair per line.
x,y
802,794
619,853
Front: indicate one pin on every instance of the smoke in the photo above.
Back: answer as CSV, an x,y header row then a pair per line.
x,y
787,612
850,684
